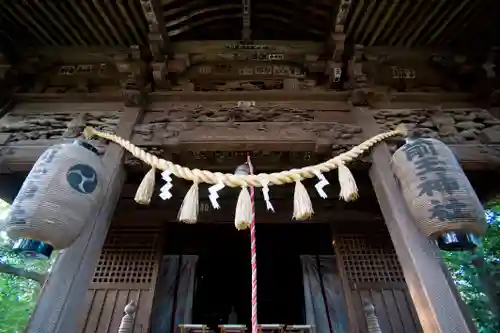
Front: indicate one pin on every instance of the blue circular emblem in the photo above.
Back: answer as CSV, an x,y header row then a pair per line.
x,y
83,178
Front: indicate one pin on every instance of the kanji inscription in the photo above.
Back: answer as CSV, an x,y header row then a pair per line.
x,y
434,180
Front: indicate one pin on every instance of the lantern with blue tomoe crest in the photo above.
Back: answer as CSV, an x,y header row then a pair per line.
x,y
63,189
439,194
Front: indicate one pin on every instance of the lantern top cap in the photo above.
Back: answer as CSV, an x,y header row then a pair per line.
x,y
86,145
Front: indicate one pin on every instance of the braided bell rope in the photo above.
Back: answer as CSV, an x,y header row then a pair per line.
x,y
231,180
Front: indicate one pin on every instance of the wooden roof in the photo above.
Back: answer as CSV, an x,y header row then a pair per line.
x,y
408,23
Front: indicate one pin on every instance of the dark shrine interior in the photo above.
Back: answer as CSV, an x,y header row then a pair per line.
x,y
223,271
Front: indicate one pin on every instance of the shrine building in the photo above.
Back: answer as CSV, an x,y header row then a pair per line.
x,y
210,85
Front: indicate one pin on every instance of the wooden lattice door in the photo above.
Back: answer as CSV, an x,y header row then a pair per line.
x,y
127,270
373,272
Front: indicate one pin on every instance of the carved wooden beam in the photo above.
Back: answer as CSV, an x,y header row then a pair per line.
x,y
381,98
133,73
358,80
246,31
158,37
336,43
159,42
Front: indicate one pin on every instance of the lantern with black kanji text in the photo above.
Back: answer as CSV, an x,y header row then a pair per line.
x,y
63,189
438,194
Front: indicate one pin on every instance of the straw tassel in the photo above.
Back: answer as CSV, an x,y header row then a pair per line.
x,y
348,187
402,130
188,212
146,188
243,215
88,132
302,206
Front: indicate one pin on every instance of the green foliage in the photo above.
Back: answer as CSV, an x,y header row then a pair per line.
x,y
17,301
18,295
465,275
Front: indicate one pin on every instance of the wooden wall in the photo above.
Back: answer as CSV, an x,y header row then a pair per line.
x,y
127,270
370,270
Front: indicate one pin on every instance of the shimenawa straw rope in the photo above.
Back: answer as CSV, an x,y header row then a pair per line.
x,y
302,203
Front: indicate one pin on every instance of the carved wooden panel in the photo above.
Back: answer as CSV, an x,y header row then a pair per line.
x,y
449,125
267,71
244,126
79,77
33,122
251,84
406,72
407,76
237,70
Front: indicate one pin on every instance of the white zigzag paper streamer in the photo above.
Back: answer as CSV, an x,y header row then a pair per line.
x,y
265,192
213,194
165,189
322,183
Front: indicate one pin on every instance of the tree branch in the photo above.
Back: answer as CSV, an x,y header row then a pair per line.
x,y
9,269
487,283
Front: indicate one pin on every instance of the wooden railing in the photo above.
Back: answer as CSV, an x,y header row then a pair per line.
x,y
127,322
371,318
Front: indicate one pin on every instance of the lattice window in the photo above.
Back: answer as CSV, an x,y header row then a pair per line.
x,y
370,259
129,257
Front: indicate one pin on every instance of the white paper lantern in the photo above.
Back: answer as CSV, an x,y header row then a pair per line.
x,y
438,193
63,189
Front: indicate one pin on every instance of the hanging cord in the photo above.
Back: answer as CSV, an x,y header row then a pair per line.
x,y
253,252
323,292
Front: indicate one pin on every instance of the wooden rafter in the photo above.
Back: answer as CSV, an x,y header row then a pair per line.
x,y
129,21
67,17
51,19
370,22
88,23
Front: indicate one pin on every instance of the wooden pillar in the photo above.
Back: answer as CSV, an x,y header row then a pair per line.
x,y
57,309
438,304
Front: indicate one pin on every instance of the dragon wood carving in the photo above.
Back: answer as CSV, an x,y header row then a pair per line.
x,y
263,124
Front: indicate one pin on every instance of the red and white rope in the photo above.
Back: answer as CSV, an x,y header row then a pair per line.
x,y
253,253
